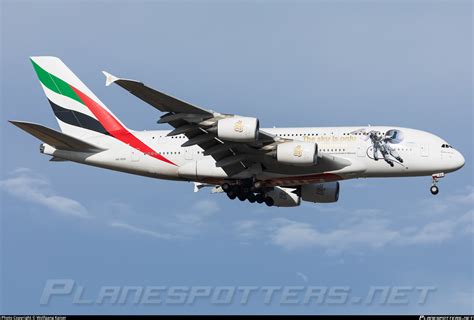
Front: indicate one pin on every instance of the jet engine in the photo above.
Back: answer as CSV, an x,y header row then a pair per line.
x,y
320,192
284,197
238,129
297,153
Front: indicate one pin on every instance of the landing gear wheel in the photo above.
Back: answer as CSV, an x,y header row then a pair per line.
x,y
251,198
434,190
269,201
259,198
226,187
242,197
231,195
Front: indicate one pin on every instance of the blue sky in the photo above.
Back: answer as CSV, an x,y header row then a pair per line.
x,y
290,64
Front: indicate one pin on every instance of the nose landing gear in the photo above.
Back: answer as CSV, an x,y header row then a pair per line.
x,y
435,178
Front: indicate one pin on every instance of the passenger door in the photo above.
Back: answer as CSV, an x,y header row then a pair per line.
x,y
424,150
361,150
188,154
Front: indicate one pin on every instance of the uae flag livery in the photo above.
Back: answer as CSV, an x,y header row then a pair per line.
x,y
78,111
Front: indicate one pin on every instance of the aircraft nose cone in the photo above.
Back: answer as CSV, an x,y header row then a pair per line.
x,y
460,161
454,161
457,161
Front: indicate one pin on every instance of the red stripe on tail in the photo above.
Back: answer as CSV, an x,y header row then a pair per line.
x,y
116,129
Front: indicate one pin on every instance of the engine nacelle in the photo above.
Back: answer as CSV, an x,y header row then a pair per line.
x,y
238,129
297,153
284,197
320,192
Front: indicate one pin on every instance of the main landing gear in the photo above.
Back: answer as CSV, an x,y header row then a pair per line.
x,y
435,178
247,191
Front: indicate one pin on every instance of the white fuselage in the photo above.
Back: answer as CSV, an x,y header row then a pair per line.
x,y
423,154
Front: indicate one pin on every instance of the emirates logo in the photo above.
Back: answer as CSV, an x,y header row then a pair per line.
x,y
239,126
298,152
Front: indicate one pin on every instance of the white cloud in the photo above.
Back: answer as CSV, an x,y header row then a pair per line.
x,y
30,187
467,198
433,232
142,231
373,233
206,206
445,204
26,185
247,229
199,212
364,228
298,235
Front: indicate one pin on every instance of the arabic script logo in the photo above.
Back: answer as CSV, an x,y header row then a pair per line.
x,y
239,126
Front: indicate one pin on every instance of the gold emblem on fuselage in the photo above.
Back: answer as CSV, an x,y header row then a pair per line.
x,y
239,126
298,152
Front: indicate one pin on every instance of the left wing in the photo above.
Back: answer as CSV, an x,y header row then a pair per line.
x,y
199,126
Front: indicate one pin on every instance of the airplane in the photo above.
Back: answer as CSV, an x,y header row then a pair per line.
x,y
277,166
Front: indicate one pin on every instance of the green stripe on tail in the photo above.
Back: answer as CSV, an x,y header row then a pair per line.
x,y
55,84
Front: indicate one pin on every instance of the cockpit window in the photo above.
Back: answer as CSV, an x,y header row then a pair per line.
x,y
446,146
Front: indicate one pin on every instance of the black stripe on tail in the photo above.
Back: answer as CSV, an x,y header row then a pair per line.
x,y
77,119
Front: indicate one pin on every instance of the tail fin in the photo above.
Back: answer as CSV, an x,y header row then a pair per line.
x,y
78,111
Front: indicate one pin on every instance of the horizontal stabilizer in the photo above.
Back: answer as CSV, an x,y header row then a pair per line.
x,y
56,139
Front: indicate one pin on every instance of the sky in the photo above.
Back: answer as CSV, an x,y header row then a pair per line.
x,y
319,63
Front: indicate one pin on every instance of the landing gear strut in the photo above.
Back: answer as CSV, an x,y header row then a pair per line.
x,y
435,178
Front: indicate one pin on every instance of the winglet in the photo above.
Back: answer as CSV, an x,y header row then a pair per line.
x,y
109,79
